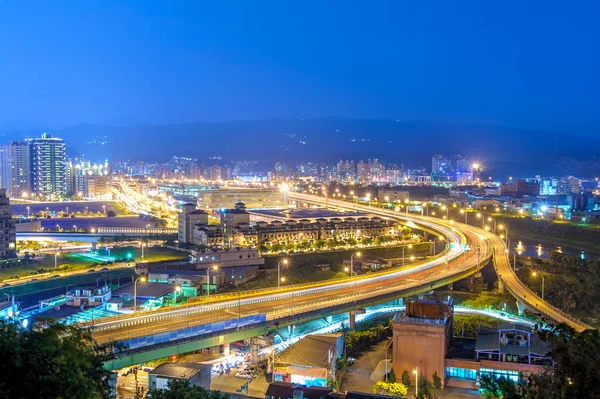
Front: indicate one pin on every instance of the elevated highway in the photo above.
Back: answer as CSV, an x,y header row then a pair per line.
x,y
499,250
226,317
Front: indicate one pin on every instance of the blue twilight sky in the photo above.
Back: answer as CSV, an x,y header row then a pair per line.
x,y
529,64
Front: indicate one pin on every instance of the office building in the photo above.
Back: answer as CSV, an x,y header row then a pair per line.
x,y
8,236
15,168
48,166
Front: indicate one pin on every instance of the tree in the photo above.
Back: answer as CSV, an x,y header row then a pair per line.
x,y
406,378
437,381
56,362
178,389
576,374
498,388
394,389
391,376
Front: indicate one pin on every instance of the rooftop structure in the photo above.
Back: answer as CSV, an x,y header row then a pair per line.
x,y
196,373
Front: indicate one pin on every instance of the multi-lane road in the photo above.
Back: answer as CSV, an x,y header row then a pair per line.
x,y
499,248
451,263
276,305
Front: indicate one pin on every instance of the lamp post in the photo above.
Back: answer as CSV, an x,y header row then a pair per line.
x,y
56,259
142,279
352,271
403,248
482,222
465,213
534,274
215,267
490,219
142,245
285,262
416,373
505,228
27,211
177,289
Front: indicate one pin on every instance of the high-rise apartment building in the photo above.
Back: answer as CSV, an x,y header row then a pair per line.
x,y
8,235
346,170
15,168
86,179
48,166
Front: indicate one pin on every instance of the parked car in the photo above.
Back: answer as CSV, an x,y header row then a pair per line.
x,y
244,375
91,271
104,269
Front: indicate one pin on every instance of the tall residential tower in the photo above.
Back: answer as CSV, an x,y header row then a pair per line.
x,y
48,166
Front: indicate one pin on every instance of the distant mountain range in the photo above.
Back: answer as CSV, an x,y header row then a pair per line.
x,y
502,149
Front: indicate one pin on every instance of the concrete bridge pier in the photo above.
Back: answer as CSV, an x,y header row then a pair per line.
x,y
254,347
353,314
500,286
520,308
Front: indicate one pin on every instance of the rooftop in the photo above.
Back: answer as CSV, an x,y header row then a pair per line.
x,y
286,390
145,290
311,351
179,370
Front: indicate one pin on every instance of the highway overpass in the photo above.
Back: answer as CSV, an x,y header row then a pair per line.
x,y
225,318
148,334
506,274
97,235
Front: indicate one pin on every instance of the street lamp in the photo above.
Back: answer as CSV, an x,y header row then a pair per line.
x,y
505,228
27,211
352,272
534,274
403,248
215,267
416,373
482,222
492,220
177,289
56,259
285,262
142,279
464,213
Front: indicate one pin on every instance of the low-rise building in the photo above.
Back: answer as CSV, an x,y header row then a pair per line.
x,y
150,295
80,296
195,373
28,225
310,361
283,390
423,336
225,258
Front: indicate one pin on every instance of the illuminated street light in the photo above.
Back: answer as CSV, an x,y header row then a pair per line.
x,y
534,274
142,279
285,262
215,267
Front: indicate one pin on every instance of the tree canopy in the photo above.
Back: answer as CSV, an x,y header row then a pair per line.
x,y
59,362
184,390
